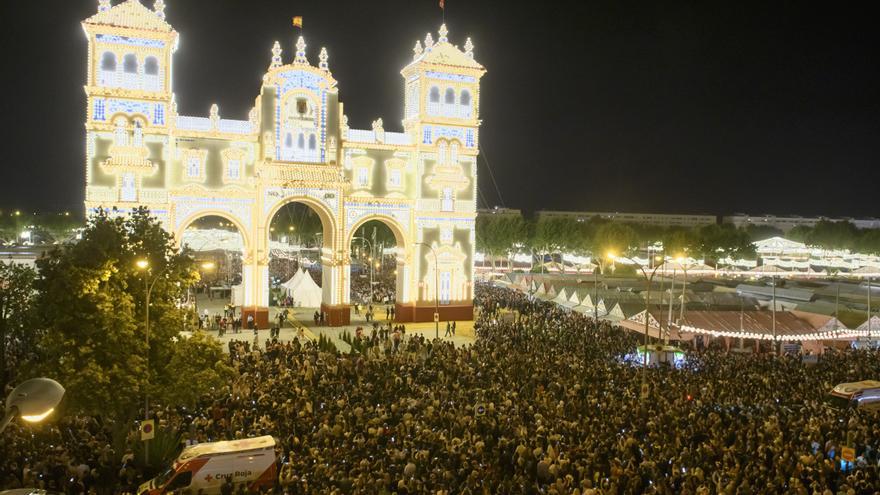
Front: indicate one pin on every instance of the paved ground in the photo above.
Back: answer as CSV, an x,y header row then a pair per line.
x,y
303,317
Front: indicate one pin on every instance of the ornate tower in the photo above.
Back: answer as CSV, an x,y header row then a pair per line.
x,y
442,94
129,98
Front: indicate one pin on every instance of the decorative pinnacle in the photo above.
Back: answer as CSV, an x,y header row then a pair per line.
x,y
300,52
442,32
469,48
429,41
322,59
276,56
417,50
159,9
214,115
103,5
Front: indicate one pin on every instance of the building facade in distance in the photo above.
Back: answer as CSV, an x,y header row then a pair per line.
x,y
295,146
656,219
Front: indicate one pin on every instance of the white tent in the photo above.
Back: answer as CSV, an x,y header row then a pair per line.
x,y
294,281
306,294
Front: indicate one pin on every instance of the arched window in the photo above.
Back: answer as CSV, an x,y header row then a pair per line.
x,y
107,76
465,98
130,64
138,138
453,153
449,98
434,95
130,71
301,142
151,66
312,142
441,159
288,141
151,74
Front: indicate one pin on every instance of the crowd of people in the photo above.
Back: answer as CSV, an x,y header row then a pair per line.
x,y
541,403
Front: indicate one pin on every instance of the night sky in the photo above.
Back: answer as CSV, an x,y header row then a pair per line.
x,y
689,107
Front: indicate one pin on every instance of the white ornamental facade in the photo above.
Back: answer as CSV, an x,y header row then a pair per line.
x,y
294,146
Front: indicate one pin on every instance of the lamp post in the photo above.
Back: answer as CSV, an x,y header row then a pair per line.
x,y
610,255
144,266
684,266
649,278
33,400
436,290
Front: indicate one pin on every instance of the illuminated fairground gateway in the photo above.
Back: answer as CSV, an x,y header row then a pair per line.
x,y
295,146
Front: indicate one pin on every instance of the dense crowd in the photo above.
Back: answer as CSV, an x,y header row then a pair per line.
x,y
542,402
383,288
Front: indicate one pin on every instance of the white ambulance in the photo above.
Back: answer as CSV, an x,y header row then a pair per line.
x,y
206,467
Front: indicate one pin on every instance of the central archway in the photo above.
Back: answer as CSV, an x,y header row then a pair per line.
x,y
299,235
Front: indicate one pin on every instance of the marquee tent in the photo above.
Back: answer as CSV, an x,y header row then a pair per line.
x,y
305,292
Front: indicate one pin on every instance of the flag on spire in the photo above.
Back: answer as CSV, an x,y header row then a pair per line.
x,y
298,21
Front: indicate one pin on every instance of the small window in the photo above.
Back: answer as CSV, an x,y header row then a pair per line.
x,y
301,106
449,98
234,169
434,96
363,177
288,141
108,61
138,138
193,167
465,99
445,290
312,142
128,191
394,178
151,66
130,64
120,136
441,158
447,199
301,142
453,153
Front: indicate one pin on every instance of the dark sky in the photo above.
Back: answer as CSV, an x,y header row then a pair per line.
x,y
667,106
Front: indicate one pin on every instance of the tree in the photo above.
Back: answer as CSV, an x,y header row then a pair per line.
x,y
833,235
869,242
17,335
679,241
800,233
91,304
200,359
613,237
725,241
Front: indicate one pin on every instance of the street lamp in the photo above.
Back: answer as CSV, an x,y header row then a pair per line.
x,y
34,400
649,279
684,266
436,290
144,266
611,257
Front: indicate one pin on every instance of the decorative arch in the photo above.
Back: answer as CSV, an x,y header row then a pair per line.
x,y
178,234
392,223
328,219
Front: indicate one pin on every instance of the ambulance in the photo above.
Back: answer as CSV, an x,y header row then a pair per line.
x,y
207,466
863,395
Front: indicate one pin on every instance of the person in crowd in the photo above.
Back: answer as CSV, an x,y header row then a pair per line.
x,y
542,402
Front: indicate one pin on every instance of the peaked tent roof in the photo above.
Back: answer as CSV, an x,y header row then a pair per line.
x,y
130,14
875,326
779,244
